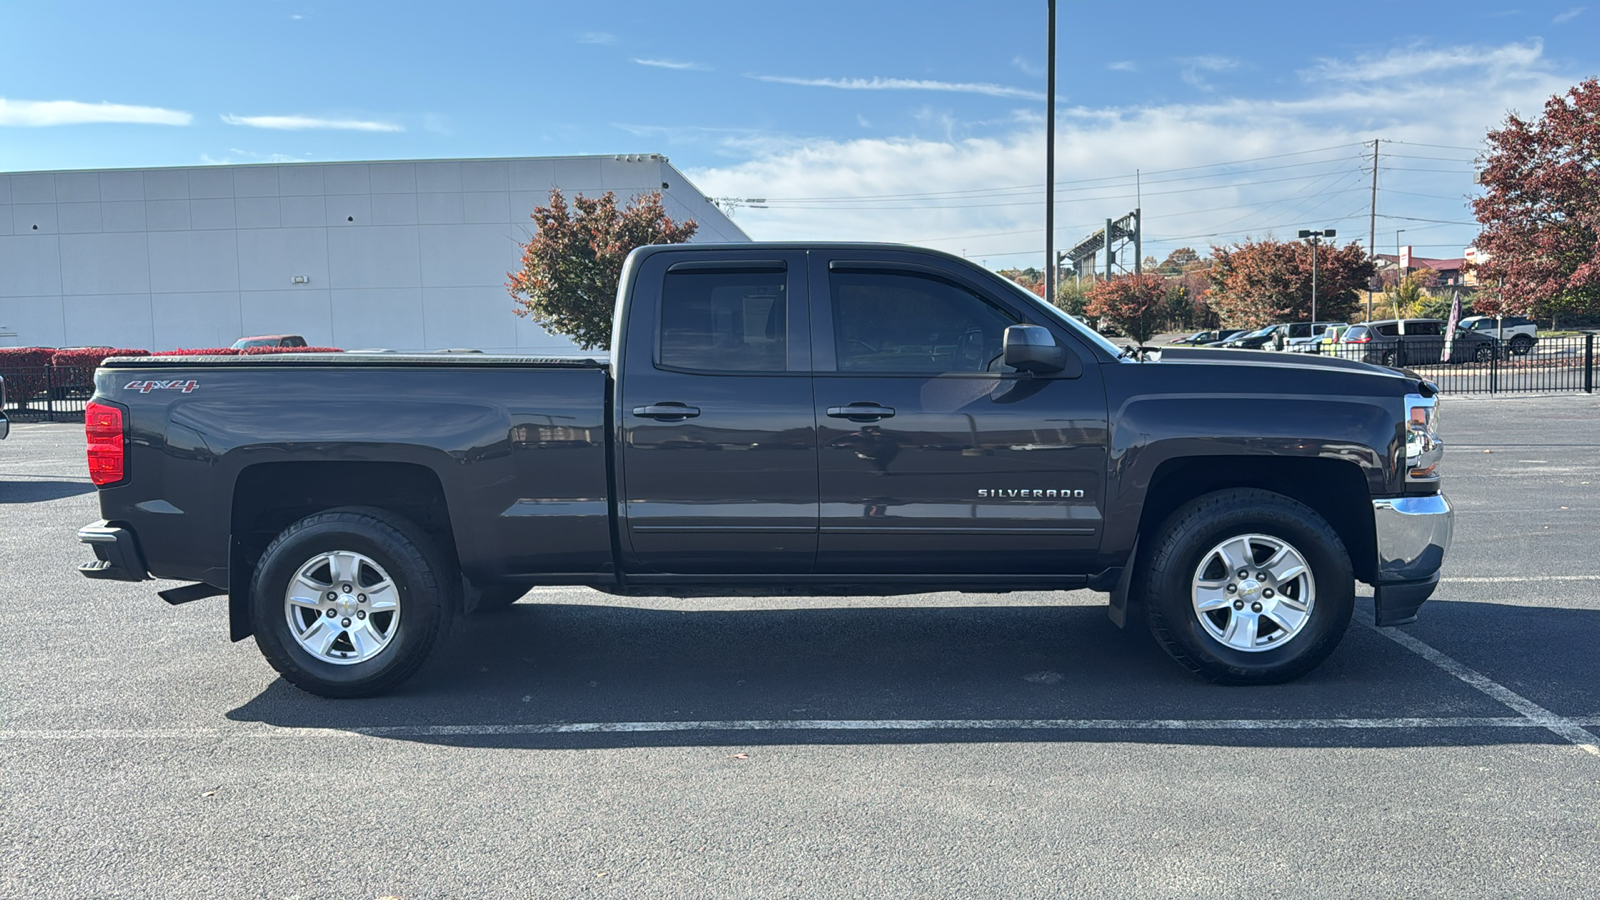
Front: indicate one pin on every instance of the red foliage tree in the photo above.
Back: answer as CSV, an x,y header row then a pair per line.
x,y
1257,283
568,279
1541,209
1133,303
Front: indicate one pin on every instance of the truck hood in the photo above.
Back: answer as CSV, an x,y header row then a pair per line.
x,y
1263,359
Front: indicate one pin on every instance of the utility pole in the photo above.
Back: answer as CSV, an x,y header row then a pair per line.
x,y
1050,157
1372,222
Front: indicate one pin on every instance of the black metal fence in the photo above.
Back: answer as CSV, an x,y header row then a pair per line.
x,y
1549,365
47,393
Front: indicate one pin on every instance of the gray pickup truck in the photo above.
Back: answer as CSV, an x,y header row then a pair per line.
x,y
776,419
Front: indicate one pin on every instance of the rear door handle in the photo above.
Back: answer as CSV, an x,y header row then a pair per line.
x,y
861,412
666,411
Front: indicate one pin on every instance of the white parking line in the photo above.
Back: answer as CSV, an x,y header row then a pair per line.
x,y
1571,729
1516,579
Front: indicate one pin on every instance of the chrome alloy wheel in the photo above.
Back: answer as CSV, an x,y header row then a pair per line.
x,y
1253,592
342,607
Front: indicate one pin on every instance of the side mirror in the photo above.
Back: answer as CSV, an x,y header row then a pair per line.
x,y
1031,348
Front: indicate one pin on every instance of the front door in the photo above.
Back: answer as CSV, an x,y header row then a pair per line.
x,y
933,459
719,444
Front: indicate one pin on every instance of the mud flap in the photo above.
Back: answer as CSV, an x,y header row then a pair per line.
x,y
1122,596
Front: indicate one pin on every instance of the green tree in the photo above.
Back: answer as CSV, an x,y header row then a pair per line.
x,y
568,280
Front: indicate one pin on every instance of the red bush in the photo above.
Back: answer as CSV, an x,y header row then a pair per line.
x,y
213,351
258,351
23,368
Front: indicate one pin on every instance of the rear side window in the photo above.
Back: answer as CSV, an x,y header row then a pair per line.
x,y
732,321
1424,329
899,323
1388,329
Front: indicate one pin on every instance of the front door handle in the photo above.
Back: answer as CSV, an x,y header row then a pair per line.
x,y
666,411
861,412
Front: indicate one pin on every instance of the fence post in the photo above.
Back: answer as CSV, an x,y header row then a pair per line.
x,y
1494,367
1588,363
50,391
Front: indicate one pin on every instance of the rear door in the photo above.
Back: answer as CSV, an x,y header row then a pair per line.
x,y
933,459
718,435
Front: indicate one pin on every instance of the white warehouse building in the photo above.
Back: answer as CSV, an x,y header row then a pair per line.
x,y
404,255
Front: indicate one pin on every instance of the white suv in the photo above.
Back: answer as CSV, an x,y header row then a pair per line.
x,y
1519,335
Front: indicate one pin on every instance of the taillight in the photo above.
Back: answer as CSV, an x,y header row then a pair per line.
x,y
102,425
1359,340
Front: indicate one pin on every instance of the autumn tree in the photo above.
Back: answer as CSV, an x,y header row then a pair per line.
x,y
1179,259
568,280
1133,303
1257,283
1541,209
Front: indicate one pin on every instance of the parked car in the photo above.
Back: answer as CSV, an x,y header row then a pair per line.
x,y
269,340
1518,334
1207,338
1252,340
1312,343
1416,342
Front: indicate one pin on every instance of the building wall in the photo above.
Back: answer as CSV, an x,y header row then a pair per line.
x,y
406,255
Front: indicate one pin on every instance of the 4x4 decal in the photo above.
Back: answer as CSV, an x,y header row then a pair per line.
x,y
145,387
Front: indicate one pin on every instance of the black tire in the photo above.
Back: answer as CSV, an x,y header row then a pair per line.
x,y
423,578
1389,358
1521,344
1181,545
499,596
1483,354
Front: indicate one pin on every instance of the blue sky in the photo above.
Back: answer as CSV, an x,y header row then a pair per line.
x,y
918,122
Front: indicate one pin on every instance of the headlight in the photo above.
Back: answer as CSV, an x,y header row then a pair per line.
x,y
1424,450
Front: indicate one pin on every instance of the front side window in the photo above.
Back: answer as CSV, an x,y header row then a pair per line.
x,y
724,321
897,323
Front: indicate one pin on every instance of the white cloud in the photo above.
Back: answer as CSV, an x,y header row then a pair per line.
x,y
673,64
44,113
1126,65
905,84
1027,67
304,123
235,156
1194,65
597,37
1569,15
1416,60
989,183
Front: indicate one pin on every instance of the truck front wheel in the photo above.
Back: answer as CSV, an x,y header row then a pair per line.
x,y
349,602
1247,586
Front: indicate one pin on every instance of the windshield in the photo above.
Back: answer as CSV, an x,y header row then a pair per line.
x,y
1261,331
1061,315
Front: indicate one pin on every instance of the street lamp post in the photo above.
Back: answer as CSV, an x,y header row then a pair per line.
x,y
1315,236
1400,273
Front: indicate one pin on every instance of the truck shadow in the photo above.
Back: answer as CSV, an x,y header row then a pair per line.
x,y
32,491
503,677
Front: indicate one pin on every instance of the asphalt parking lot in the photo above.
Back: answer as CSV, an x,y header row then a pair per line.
x,y
1010,745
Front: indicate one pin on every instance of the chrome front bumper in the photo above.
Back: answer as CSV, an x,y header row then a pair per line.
x,y
1413,535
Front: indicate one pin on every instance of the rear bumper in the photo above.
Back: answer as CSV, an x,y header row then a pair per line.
x,y
1413,534
116,550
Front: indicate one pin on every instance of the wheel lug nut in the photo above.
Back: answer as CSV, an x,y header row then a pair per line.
x,y
1261,577
361,614
1233,588
345,588
332,596
1244,573
1238,604
361,598
1254,607
331,613
1267,593
345,622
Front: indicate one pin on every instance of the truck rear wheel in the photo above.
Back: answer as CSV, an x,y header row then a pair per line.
x,y
349,602
1246,586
